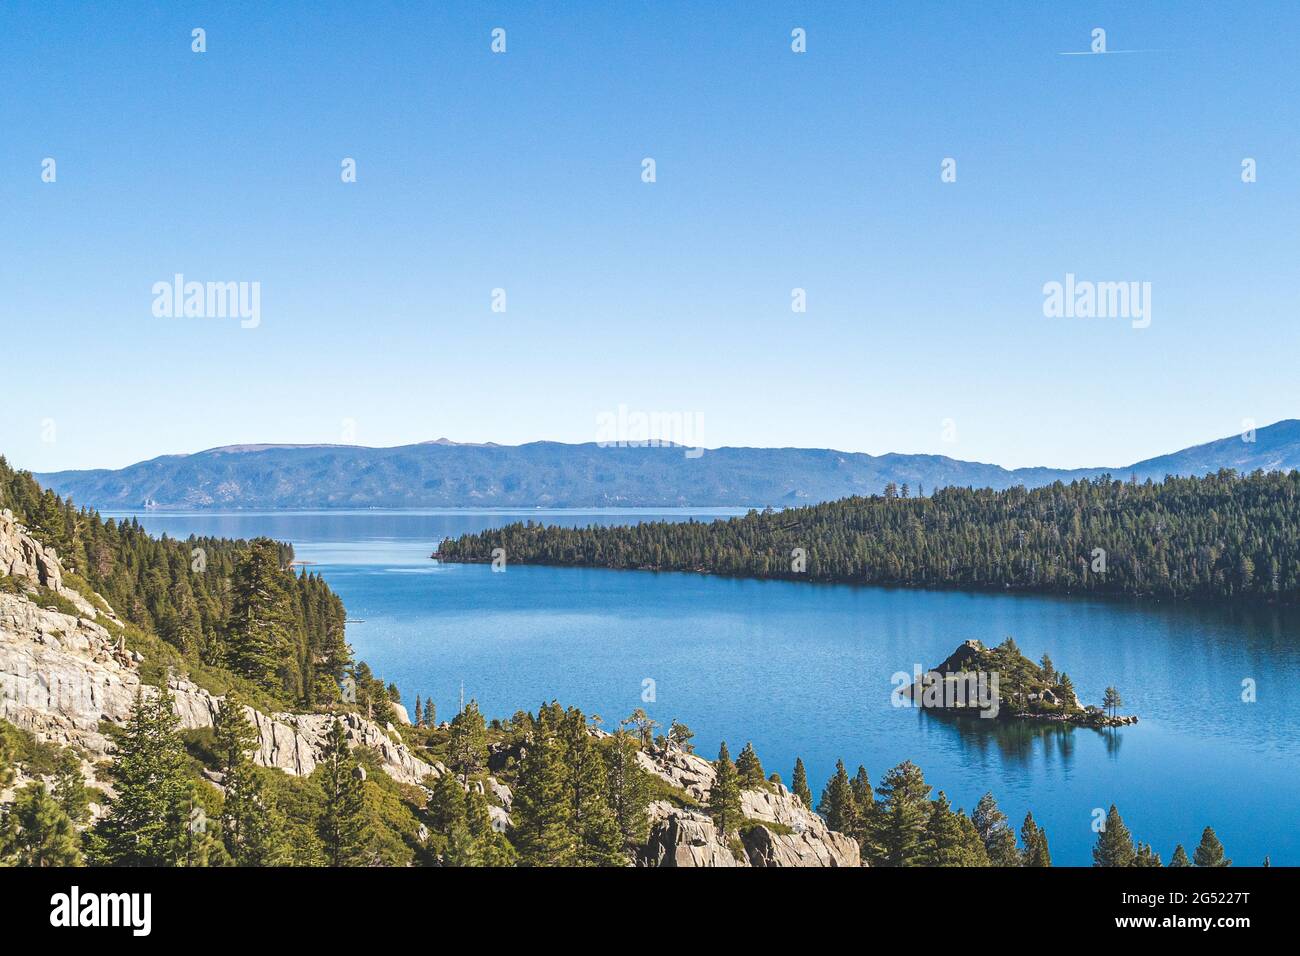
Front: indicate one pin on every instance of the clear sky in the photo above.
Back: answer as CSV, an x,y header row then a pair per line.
x,y
523,171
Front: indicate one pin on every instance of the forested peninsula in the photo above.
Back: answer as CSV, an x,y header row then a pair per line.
x,y
1223,536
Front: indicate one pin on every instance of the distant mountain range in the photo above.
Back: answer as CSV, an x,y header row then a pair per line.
x,y
444,474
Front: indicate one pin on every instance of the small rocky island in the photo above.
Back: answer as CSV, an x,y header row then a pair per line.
x,y
1000,682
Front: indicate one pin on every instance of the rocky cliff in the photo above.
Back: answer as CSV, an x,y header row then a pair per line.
x,y
62,674
779,830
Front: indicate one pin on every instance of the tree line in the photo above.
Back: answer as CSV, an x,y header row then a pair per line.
x,y
1220,536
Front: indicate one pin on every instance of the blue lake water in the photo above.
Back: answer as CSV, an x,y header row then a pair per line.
x,y
803,669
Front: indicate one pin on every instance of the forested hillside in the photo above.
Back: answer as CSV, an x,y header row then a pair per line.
x,y
218,603
1220,536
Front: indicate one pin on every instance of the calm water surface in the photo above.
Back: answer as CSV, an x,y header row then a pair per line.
x,y
805,670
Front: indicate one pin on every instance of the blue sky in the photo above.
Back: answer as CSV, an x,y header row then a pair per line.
x,y
522,171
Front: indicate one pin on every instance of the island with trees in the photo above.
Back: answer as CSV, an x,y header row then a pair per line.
x,y
1000,682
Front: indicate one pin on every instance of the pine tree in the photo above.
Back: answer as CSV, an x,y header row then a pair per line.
x,y
973,851
417,717
1146,856
748,769
837,806
600,843
37,831
867,831
343,815
1111,700
446,805
430,714
252,827
724,797
995,832
904,816
6,756
1048,669
147,822
490,848
1210,850
1180,857
799,783
680,736
944,836
1034,839
467,748
262,625
629,789
542,809
70,788
1114,843
1066,692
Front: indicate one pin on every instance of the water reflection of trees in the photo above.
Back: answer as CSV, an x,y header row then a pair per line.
x,y
1017,741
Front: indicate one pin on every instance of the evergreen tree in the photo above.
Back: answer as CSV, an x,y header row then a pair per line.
x,y
252,828
1048,669
995,832
600,843
748,769
430,714
6,756
70,788
1114,843
37,831
629,789
1210,850
147,822
467,748
1065,689
543,812
1180,857
724,797
680,736
869,815
1146,856
799,783
262,624
904,816
446,805
1112,701
490,848
342,820
837,806
643,725
945,838
1034,839
417,716
972,844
